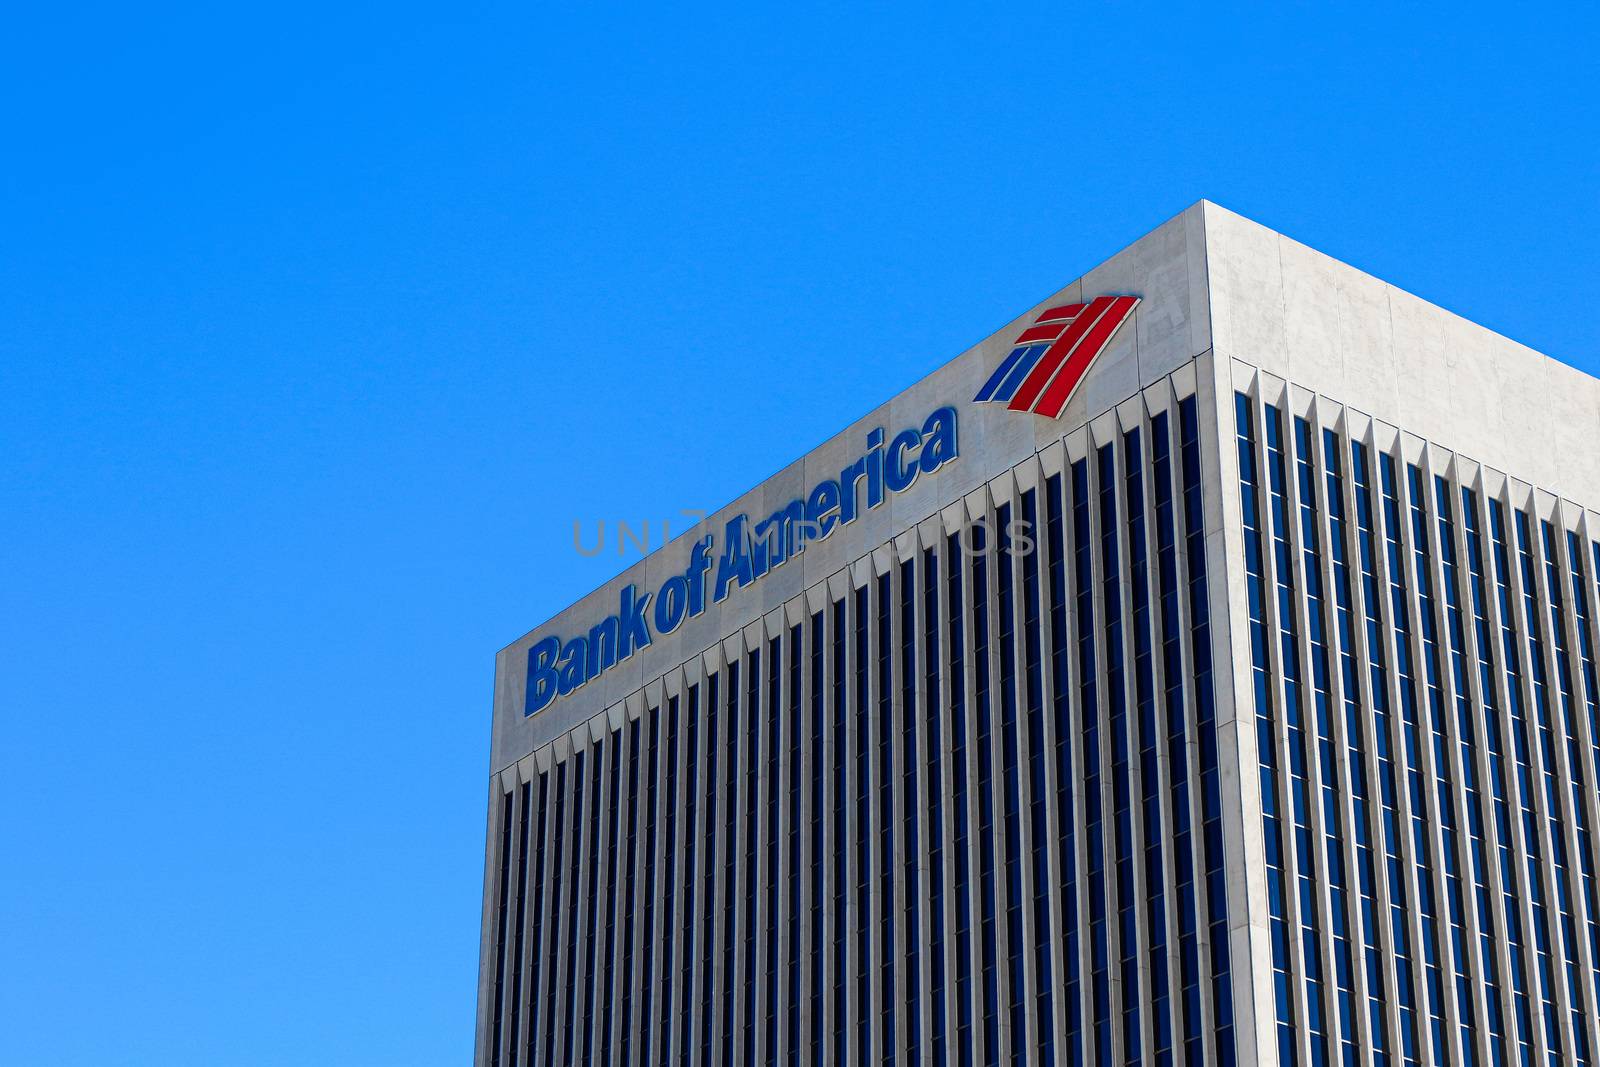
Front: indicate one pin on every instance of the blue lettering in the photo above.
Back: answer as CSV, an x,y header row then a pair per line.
x,y
671,600
899,474
820,507
734,567
874,468
699,563
556,669
574,668
541,675
777,537
603,646
633,630
847,490
939,446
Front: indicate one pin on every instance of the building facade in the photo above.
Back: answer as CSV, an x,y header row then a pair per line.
x,y
1201,670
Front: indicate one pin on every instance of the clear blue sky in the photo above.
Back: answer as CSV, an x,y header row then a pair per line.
x,y
319,326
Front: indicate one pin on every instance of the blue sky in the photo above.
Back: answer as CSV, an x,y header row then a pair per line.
x,y
319,327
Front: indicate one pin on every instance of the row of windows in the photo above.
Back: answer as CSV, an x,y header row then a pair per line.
x,y
1441,599
861,841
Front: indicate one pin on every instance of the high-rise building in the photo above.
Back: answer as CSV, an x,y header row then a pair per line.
x,y
1200,670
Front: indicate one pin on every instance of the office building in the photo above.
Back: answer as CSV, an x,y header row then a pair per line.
x,y
1200,670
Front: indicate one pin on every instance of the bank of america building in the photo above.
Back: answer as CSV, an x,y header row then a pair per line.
x,y
1200,670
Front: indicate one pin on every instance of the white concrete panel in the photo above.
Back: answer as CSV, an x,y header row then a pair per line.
x,y
1161,267
1574,431
1113,378
1421,366
1314,356
1246,280
1522,384
1365,342
1474,398
1289,310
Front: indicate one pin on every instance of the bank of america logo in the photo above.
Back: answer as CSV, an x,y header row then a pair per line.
x,y
1049,359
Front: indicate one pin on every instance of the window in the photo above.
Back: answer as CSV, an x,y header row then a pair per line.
x,y
979,545
883,728
1557,805
1591,692
648,940
555,910
1088,702
1319,638
1062,648
704,1015
1494,742
838,831
536,956
670,805
1522,750
735,780
959,844
591,904
779,720
1355,741
1148,845
1372,600
691,826
570,988
1174,671
797,758
1470,745
861,750
1411,749
933,711
502,907
1038,789
1011,787
815,896
909,807
1117,685
524,795
1256,540
751,827
815,809
1449,821
629,887
604,963
1216,886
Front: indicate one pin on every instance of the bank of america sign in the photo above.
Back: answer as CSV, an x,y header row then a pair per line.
x,y
1048,360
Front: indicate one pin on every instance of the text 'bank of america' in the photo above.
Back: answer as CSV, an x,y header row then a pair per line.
x,y
1200,670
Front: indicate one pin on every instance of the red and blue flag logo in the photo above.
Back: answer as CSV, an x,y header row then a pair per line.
x,y
1049,359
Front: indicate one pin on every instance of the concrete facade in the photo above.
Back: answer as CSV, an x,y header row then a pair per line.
x,y
1228,309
